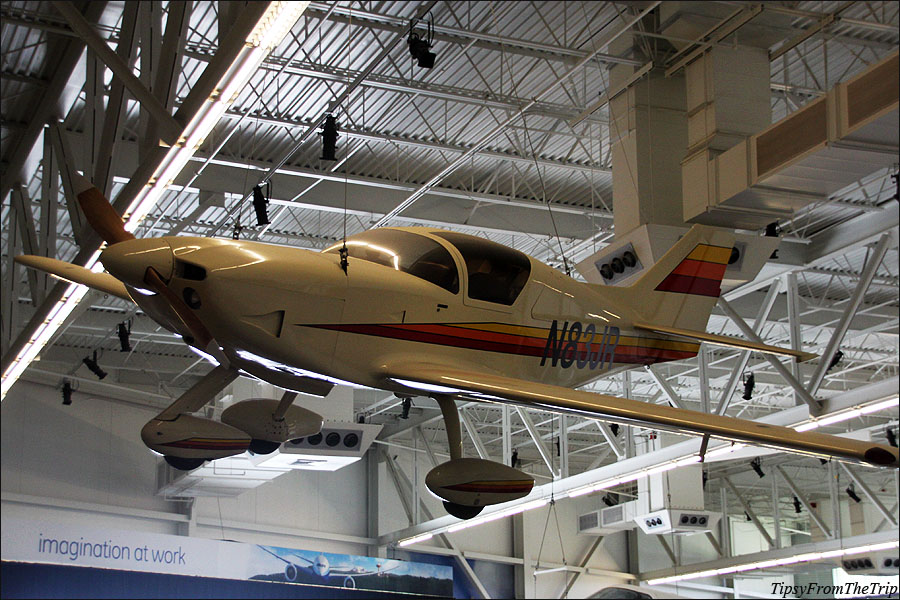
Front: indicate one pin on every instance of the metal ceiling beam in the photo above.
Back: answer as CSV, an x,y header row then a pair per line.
x,y
487,137
66,59
169,127
360,134
465,36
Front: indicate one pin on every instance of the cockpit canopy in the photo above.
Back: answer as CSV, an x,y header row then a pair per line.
x,y
495,273
407,252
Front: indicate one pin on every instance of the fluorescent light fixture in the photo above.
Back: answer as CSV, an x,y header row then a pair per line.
x,y
846,415
46,330
775,562
660,468
415,539
268,33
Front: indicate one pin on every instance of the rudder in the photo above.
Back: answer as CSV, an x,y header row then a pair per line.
x,y
681,289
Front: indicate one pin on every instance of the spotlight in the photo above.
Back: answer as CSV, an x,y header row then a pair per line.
x,y
891,437
823,461
124,331
259,205
329,138
838,356
749,384
756,465
797,506
852,493
67,392
91,363
419,46
610,499
407,404
614,427
746,514
514,459
772,231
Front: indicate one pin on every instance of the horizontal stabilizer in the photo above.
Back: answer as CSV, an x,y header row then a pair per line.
x,y
724,340
103,282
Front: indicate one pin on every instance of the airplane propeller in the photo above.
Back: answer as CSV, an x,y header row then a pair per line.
x,y
107,223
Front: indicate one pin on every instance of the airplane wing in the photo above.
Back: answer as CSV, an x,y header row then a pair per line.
x,y
724,340
474,385
76,274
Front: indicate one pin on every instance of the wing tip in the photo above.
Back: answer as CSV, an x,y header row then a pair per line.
x,y
882,457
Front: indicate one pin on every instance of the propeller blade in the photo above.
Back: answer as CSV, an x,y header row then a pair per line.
x,y
202,338
99,212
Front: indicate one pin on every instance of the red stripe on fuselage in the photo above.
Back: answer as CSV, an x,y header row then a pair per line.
x,y
445,335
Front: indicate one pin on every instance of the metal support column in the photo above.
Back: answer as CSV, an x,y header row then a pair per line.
x,y
563,446
859,293
674,398
473,434
861,485
744,355
776,511
803,501
782,370
793,310
750,513
536,438
703,375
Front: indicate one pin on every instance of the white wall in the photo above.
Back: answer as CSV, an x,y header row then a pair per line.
x,y
91,453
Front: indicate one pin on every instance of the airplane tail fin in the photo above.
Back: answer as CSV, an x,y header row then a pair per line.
x,y
681,289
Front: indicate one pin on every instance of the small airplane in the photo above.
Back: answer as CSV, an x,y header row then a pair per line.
x,y
321,568
419,311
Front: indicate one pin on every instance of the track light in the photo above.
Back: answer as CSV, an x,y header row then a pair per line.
x,y
772,231
614,427
797,506
91,363
419,47
67,392
407,404
329,138
756,465
123,330
838,356
259,205
851,491
749,384
891,437
514,459
746,514
610,499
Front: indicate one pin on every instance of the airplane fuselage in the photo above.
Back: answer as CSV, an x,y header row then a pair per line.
x,y
295,310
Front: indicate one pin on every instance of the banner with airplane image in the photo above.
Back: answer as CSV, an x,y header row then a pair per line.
x,y
31,541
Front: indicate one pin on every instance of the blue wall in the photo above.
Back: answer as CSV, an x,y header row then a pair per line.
x,y
31,580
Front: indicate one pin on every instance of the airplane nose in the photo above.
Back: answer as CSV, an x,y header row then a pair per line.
x,y
128,261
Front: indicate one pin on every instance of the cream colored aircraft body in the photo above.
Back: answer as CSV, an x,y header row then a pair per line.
x,y
420,311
